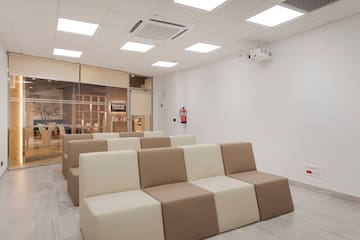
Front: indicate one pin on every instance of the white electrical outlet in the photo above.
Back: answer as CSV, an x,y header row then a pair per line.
x,y
314,171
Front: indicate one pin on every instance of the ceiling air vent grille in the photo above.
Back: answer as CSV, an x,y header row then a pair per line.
x,y
158,29
308,5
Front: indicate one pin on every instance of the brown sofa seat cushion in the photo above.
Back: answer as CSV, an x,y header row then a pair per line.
x,y
161,166
155,142
73,185
131,134
272,192
238,157
189,212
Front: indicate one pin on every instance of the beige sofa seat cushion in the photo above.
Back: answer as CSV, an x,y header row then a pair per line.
x,y
273,193
161,166
155,142
108,172
182,140
118,144
105,135
125,215
235,201
238,157
154,134
203,161
188,211
131,134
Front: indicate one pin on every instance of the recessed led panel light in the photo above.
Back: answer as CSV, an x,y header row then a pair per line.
x,y
207,5
67,25
202,48
67,53
136,47
164,64
275,16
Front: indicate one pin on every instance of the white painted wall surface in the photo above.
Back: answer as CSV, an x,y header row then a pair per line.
x,y
302,107
3,110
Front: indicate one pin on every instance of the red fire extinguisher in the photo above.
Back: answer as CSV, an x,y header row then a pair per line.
x,y
183,115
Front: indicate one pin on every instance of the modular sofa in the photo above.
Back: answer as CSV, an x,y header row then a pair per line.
x,y
76,147
99,136
188,185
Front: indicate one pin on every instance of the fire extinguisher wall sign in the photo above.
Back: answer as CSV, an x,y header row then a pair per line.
x,y
183,115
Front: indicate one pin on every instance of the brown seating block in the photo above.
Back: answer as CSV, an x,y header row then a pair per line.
x,y
189,212
131,134
155,142
272,192
73,185
161,166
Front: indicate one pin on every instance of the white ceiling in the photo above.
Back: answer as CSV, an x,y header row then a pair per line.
x,y
29,27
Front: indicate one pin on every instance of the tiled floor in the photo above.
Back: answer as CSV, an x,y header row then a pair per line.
x,y
34,205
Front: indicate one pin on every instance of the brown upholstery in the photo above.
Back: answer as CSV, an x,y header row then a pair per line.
x,y
189,212
238,157
131,134
73,185
83,146
161,166
66,138
272,192
155,142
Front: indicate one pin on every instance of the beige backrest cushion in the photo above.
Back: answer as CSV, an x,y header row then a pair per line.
x,y
155,142
238,157
154,134
76,147
182,140
131,134
105,135
108,172
118,144
203,161
161,166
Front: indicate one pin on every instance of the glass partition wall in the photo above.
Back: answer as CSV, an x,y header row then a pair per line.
x,y
41,110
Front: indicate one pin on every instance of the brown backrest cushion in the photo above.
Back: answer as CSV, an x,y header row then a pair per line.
x,y
69,137
238,157
155,142
161,166
84,146
131,134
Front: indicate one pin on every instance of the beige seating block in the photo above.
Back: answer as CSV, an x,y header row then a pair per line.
x,y
105,135
235,201
203,161
118,144
125,215
182,140
154,134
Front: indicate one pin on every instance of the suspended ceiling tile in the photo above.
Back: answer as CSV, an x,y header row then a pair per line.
x,y
31,7
301,24
140,8
98,4
71,41
337,10
121,21
81,13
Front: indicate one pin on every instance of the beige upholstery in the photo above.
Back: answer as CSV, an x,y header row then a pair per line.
x,y
154,134
118,144
154,142
203,161
105,135
182,140
112,206
161,166
235,201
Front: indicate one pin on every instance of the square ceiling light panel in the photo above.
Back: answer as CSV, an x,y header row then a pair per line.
x,y
202,48
67,53
207,5
136,47
72,26
275,16
165,64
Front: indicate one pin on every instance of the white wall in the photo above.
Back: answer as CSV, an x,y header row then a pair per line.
x,y
3,110
302,107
